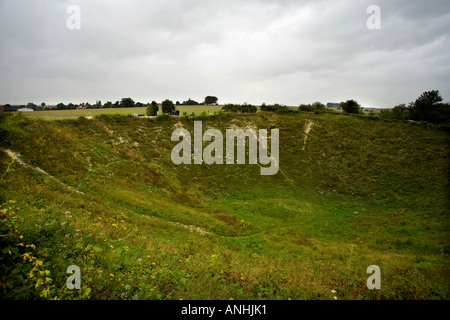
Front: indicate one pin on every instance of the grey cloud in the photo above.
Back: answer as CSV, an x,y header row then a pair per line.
x,y
260,50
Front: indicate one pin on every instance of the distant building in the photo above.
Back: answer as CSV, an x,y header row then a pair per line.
x,y
10,108
25,110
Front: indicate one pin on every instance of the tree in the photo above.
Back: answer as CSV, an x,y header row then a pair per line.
x,y
245,108
400,112
249,108
318,106
167,106
273,108
60,106
211,100
314,107
350,106
429,98
306,107
31,105
428,107
152,109
127,103
191,102
43,104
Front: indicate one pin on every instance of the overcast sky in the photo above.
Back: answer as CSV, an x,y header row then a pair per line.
x,y
286,51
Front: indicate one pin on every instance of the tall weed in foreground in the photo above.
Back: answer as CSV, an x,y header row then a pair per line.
x,y
24,274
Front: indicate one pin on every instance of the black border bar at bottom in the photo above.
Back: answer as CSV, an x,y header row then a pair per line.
x,y
222,309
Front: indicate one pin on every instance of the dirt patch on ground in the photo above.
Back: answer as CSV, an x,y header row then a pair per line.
x,y
16,157
308,126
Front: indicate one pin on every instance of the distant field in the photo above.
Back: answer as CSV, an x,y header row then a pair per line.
x,y
61,114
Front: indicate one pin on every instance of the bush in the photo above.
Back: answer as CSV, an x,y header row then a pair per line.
x,y
152,109
190,102
127,103
202,116
116,118
4,124
399,112
211,100
163,117
318,106
167,106
24,274
314,107
428,107
306,107
246,108
249,108
351,106
273,108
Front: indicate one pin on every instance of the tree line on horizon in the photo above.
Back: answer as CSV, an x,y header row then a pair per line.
x,y
123,103
427,107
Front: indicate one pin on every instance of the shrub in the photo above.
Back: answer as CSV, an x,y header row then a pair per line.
x,y
350,106
249,108
191,102
318,106
429,107
246,108
399,112
306,107
163,117
314,107
152,109
273,108
167,106
127,103
24,274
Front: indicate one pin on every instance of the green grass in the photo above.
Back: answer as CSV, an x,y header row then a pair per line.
x,y
360,192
